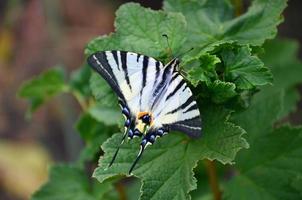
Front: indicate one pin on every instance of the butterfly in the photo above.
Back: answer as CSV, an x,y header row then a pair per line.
x,y
154,98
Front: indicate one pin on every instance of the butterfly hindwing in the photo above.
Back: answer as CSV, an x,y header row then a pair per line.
x,y
177,108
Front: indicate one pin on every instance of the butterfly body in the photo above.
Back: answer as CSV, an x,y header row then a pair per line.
x,y
154,98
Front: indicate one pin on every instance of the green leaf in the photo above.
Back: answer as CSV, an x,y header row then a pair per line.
x,y
281,57
235,71
221,91
264,110
222,139
276,165
88,127
94,134
102,43
245,70
68,182
140,30
291,97
200,68
167,165
42,87
79,80
102,91
205,19
271,167
258,24
212,22
107,115
258,121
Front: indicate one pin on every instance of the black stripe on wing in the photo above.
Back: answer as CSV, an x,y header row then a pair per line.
x,y
144,72
99,63
182,106
124,66
161,87
114,53
191,127
180,84
157,64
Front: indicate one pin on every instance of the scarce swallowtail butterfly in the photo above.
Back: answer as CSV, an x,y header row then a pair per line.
x,y
154,98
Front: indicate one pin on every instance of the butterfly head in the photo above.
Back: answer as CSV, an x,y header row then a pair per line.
x,y
144,121
174,62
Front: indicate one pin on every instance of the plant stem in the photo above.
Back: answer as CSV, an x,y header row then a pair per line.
x,y
238,7
121,191
211,170
78,96
81,100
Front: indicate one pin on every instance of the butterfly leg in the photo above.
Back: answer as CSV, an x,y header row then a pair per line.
x,y
149,139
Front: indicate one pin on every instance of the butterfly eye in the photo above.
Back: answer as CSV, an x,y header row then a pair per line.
x,y
146,119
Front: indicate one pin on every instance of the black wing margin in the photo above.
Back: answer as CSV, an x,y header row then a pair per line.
x,y
98,61
192,127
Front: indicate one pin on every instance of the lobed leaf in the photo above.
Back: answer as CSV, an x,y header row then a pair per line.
x,y
281,56
67,182
212,22
272,166
43,87
167,165
232,71
102,91
79,80
140,30
200,68
107,115
94,134
222,91
245,70
277,165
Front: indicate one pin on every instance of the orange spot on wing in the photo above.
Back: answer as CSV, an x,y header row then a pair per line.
x,y
140,114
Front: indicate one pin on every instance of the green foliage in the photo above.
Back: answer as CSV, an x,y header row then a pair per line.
x,y
281,55
94,134
68,182
109,116
213,22
271,167
42,87
245,87
245,70
168,164
201,68
101,91
139,29
79,79
222,91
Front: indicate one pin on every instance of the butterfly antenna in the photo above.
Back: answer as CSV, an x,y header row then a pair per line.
x,y
137,157
168,44
118,148
182,54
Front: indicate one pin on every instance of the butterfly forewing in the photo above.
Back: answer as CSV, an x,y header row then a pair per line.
x,y
146,87
131,75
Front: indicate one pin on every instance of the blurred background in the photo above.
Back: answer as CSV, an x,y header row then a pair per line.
x,y
36,35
